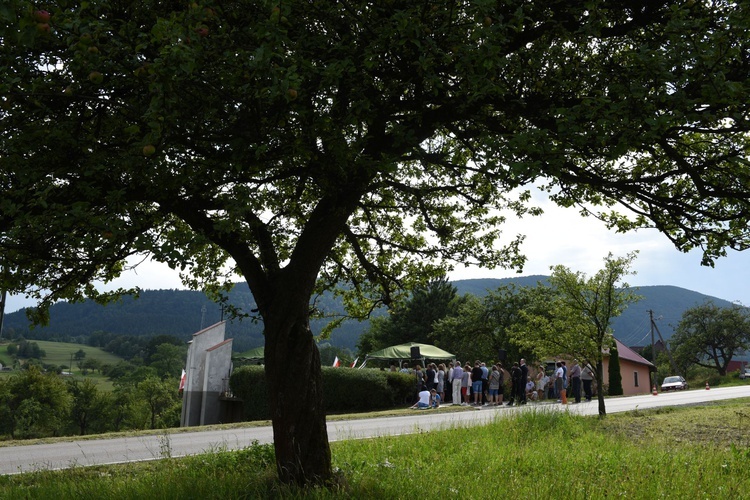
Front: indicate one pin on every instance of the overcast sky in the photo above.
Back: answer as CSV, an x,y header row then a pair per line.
x,y
560,236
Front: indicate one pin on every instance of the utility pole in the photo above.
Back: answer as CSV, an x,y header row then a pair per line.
x,y
666,348
653,350
3,295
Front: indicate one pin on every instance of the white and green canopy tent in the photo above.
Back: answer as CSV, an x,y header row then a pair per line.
x,y
255,354
402,352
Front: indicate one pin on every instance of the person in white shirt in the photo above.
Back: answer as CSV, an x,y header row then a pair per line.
x,y
530,389
559,388
458,374
424,399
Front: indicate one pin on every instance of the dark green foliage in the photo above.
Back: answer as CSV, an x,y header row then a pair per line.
x,y
29,350
615,377
249,384
33,404
709,335
412,321
345,390
479,327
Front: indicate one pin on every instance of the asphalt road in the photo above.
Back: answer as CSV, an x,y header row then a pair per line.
x,y
19,459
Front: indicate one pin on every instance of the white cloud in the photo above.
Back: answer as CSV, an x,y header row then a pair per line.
x,y
563,236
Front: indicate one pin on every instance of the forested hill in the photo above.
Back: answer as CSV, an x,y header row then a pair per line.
x,y
172,312
183,312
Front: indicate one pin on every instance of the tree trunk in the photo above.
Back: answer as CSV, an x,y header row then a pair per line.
x,y
293,373
600,388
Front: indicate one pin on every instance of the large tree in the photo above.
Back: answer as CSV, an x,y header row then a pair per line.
x,y
571,316
304,144
710,336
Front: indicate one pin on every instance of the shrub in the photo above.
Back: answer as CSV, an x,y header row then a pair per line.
x,y
699,375
344,390
355,390
249,384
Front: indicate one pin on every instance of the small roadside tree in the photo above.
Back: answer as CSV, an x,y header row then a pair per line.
x,y
572,315
710,336
160,397
86,403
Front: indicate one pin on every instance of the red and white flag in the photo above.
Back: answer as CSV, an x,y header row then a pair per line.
x,y
355,362
182,381
337,362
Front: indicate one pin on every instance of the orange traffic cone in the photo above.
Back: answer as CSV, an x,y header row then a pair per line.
x,y
654,391
707,387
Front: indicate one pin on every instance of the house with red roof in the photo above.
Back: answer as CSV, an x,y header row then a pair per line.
x,y
634,369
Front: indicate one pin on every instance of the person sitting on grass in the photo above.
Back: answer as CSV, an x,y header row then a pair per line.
x,y
434,399
530,390
424,399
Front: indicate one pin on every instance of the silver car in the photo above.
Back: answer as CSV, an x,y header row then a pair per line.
x,y
674,383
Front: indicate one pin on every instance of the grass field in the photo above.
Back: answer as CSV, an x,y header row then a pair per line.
x,y
60,353
674,453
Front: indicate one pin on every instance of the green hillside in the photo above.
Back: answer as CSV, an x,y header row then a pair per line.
x,y
60,353
172,312
182,313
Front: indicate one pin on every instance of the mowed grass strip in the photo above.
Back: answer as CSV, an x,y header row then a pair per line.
x,y
538,454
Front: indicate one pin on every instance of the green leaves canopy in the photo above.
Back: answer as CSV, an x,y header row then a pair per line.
x,y
339,136
710,336
571,317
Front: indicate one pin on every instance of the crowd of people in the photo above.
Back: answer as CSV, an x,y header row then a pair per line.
x,y
480,385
